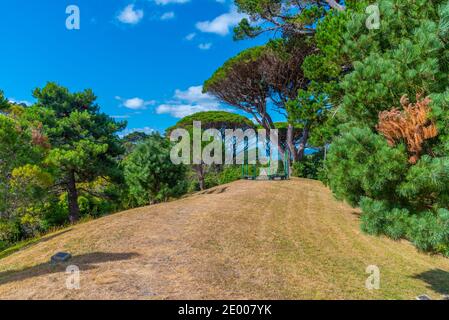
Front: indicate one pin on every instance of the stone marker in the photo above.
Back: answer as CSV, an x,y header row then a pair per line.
x,y
61,257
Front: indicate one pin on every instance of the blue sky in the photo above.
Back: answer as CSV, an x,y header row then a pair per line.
x,y
144,59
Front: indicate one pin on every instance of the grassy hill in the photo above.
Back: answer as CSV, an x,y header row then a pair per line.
x,y
245,240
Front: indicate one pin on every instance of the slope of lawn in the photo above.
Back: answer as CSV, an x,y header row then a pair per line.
x,y
245,240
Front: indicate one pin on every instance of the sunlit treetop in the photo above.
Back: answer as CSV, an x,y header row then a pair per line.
x,y
270,71
59,99
245,57
214,120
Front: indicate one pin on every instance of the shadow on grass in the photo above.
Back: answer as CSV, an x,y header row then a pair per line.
x,y
358,214
83,262
214,191
436,279
52,236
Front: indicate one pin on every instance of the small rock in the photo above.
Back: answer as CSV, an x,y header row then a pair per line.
x,y
61,257
445,297
423,297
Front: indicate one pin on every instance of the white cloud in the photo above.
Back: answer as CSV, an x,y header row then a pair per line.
x,y
221,25
165,2
195,95
190,36
205,46
188,102
183,110
25,102
135,103
130,16
168,15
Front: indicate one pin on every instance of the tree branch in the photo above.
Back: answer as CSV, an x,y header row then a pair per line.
x,y
335,5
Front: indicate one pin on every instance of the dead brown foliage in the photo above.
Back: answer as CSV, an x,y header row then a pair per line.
x,y
412,125
39,138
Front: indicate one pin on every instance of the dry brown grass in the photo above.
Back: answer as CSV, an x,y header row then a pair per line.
x,y
246,240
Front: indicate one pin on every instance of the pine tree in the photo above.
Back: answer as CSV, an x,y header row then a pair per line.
x,y
84,141
398,175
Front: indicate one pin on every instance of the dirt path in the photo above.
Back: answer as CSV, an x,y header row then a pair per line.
x,y
246,240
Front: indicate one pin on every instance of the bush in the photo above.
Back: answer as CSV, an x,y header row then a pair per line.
x,y
428,231
373,217
378,219
150,174
360,163
397,200
9,233
310,167
216,176
56,213
230,174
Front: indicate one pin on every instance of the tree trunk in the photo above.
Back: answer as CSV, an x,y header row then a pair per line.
x,y
200,173
335,5
202,182
291,144
303,144
74,210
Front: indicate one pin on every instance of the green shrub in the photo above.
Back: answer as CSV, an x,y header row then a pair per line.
x,y
9,233
361,163
427,231
230,174
373,217
150,174
378,219
211,180
397,223
311,167
430,232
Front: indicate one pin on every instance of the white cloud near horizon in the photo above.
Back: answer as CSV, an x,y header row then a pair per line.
x,y
146,130
188,102
184,110
129,15
222,24
25,102
195,94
